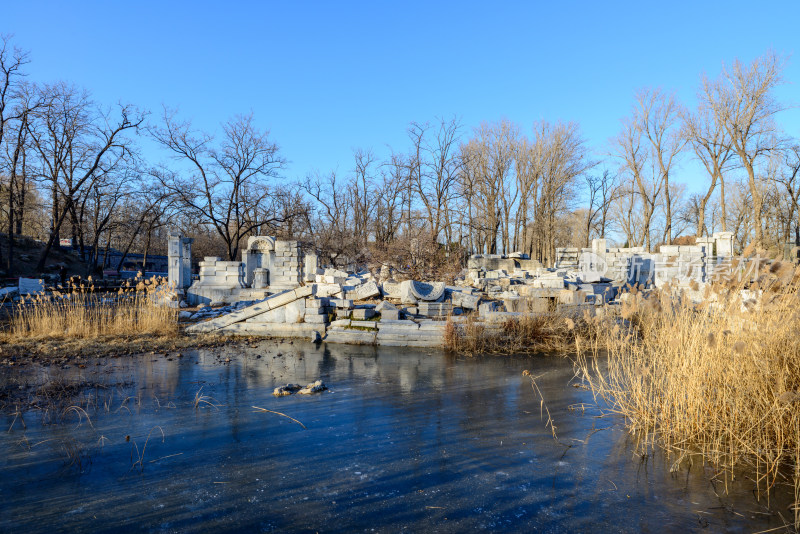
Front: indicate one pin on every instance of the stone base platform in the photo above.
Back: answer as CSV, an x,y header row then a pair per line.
x,y
401,333
301,330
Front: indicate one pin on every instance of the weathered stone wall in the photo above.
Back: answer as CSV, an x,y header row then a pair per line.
x,y
285,270
220,282
681,263
258,254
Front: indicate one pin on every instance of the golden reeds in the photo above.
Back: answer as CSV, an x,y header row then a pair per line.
x,y
528,333
721,379
84,314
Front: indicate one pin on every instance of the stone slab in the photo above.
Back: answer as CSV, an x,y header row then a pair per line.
x,y
364,324
295,311
385,305
354,337
434,309
278,315
273,302
391,289
341,303
398,329
390,315
301,330
409,340
329,290
363,313
364,291
465,300
398,323
316,319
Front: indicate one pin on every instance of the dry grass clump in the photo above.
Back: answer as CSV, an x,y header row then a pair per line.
x,y
721,379
554,331
84,314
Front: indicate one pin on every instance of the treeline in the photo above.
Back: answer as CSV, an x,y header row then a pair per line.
x,y
72,168
499,188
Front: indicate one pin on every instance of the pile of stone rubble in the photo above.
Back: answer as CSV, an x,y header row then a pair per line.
x,y
303,300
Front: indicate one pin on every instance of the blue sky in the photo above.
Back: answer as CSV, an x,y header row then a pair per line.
x,y
326,78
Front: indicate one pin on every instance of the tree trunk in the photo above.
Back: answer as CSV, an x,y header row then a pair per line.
x,y
701,219
10,263
668,202
758,206
57,222
92,263
56,210
146,250
105,254
646,238
20,200
722,203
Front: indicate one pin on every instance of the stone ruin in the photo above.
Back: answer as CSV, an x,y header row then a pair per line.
x,y
179,265
598,274
279,291
681,264
269,266
270,263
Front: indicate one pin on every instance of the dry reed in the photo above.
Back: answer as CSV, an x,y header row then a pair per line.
x,y
721,379
84,314
553,331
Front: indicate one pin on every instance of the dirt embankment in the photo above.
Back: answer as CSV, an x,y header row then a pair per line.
x,y
26,256
71,350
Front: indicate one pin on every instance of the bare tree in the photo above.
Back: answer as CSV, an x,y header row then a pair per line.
x,y
740,213
528,189
638,165
362,195
658,120
391,197
743,102
628,214
77,144
17,156
711,144
12,61
332,227
146,206
417,133
226,182
679,201
488,166
517,192
436,186
561,157
603,191
784,172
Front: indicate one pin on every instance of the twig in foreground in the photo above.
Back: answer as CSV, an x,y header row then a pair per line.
x,y
283,414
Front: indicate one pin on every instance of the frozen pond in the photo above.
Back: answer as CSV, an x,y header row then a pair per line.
x,y
404,440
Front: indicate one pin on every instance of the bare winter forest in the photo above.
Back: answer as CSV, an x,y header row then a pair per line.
x,y
72,168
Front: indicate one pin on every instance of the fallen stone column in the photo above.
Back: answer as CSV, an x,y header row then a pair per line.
x,y
271,303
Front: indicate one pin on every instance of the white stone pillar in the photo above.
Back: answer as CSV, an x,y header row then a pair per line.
x,y
179,266
724,243
310,266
